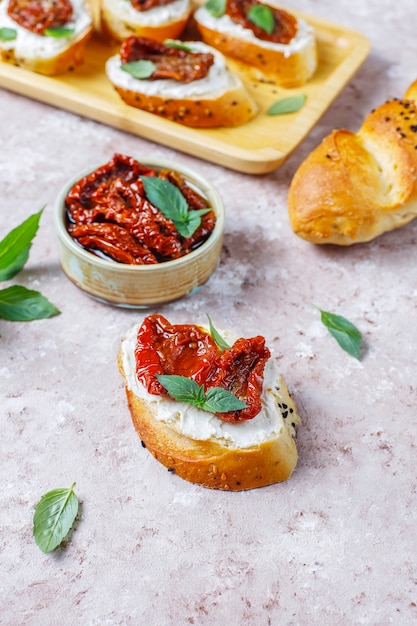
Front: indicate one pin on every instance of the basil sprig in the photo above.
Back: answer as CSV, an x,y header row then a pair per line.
x,y
223,345
179,45
170,201
59,32
214,400
8,34
139,69
18,304
287,105
216,8
346,334
54,516
262,16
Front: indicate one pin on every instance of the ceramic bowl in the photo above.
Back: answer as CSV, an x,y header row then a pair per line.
x,y
138,286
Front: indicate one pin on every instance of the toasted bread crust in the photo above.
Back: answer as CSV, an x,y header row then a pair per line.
x,y
262,63
208,463
115,28
232,108
355,186
68,59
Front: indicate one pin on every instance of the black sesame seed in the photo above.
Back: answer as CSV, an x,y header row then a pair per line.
x,y
291,410
285,414
413,127
171,469
143,444
285,406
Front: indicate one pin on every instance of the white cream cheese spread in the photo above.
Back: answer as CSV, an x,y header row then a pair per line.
x,y
201,425
217,81
28,44
153,17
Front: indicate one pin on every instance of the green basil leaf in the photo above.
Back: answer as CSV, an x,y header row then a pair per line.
x,y
181,388
8,34
187,226
223,345
18,304
170,201
59,32
179,45
54,516
262,16
14,248
215,400
219,400
139,69
346,334
216,8
287,105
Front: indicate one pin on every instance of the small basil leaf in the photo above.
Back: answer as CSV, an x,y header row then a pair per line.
x,y
18,304
262,16
54,516
59,32
14,248
216,8
139,69
8,34
287,105
346,334
179,45
181,388
189,224
216,336
219,400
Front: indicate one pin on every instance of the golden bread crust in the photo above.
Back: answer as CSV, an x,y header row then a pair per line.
x,y
115,28
355,186
70,58
208,463
263,63
232,108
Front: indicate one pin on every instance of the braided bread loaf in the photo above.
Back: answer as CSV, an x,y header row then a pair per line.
x,y
356,186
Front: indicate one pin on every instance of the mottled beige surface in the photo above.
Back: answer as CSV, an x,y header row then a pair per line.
x,y
336,544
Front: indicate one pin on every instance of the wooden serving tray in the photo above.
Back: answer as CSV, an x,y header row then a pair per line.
x,y
258,147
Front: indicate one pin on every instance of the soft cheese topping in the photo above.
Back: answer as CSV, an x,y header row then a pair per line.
x,y
218,79
278,409
154,17
225,24
30,44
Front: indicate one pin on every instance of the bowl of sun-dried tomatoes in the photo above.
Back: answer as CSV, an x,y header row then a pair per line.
x,y
136,233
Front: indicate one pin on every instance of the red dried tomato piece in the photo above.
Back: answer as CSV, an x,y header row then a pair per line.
x,y
113,241
163,348
38,15
240,369
174,63
285,24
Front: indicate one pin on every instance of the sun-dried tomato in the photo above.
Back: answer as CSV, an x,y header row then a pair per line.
x,y
164,348
38,15
188,350
119,222
285,24
170,62
240,370
145,5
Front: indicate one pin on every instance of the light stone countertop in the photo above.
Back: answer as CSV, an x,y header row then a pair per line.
x,y
334,545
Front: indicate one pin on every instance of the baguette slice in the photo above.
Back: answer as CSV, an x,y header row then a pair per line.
x,y
355,186
120,20
219,99
47,55
231,457
286,65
